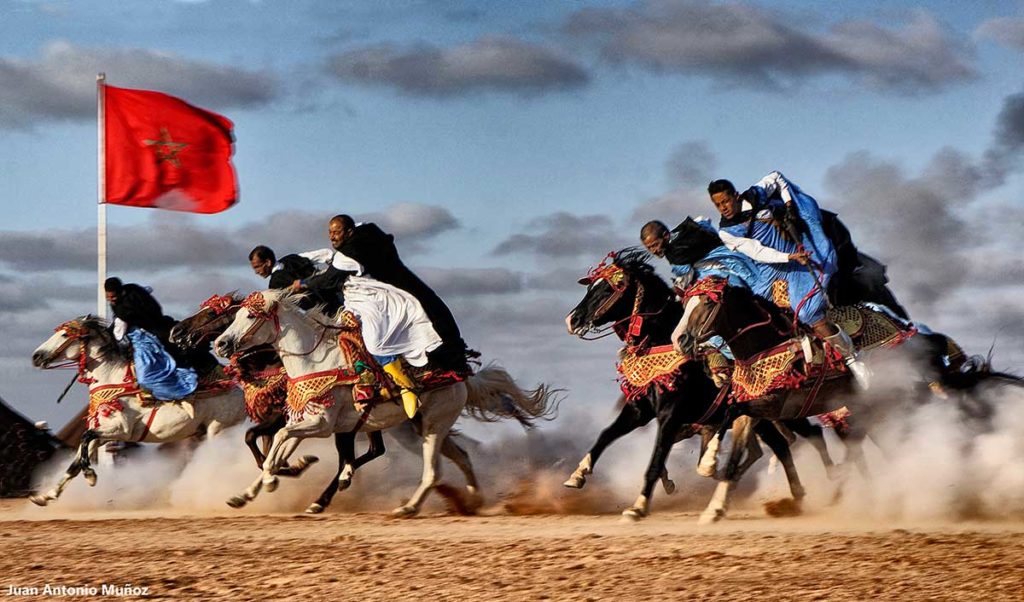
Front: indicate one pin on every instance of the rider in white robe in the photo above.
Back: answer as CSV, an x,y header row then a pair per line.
x,y
394,323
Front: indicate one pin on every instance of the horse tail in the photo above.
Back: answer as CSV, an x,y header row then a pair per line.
x,y
977,370
492,395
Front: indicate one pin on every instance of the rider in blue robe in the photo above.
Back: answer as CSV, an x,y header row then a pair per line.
x,y
139,318
777,224
156,370
754,230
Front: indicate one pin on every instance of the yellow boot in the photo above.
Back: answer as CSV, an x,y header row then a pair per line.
x,y
410,401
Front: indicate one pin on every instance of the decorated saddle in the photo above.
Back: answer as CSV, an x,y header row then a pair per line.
x,y
368,380
104,400
788,366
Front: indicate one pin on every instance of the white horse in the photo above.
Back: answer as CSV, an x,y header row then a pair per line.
x,y
314,362
116,412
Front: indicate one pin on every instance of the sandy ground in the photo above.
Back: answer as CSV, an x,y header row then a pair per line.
x,y
368,556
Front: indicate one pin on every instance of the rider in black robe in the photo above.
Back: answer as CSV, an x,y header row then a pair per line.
x,y
322,288
859,277
375,250
137,308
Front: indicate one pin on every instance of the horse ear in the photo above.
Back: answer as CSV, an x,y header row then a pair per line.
x,y
584,281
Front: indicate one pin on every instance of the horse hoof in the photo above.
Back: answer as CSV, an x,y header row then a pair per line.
x,y
305,462
90,477
710,517
237,501
670,486
404,512
39,500
575,482
344,484
783,507
632,515
474,501
706,470
270,484
314,508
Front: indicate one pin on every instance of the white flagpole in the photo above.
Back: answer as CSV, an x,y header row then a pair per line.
x,y
101,227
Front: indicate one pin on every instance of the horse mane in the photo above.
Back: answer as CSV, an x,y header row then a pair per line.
x,y
99,329
636,260
775,311
291,301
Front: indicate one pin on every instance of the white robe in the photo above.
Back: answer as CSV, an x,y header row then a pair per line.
x,y
394,322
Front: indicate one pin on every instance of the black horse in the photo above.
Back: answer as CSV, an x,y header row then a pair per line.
x,y
627,297
755,329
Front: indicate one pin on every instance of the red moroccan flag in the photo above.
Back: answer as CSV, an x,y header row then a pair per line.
x,y
163,152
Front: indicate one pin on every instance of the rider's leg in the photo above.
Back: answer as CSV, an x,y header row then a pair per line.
x,y
410,401
835,336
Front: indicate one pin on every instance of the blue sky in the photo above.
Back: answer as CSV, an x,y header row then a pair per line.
x,y
509,145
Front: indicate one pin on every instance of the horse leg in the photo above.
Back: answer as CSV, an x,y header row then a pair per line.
x,y
742,429
707,464
780,446
374,451
87,454
631,417
72,471
668,428
262,431
288,438
431,473
345,444
451,450
814,435
283,450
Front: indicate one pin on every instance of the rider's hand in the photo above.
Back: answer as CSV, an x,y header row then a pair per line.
x,y
721,378
801,257
296,286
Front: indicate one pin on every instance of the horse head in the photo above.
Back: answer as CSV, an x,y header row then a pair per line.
x,y
621,288
747,323
255,322
71,341
213,317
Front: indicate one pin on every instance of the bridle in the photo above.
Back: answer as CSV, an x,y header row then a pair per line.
x,y
223,308
74,332
619,281
260,312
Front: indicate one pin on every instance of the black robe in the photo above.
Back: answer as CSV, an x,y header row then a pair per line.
x,y
858,277
137,308
375,251
322,289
